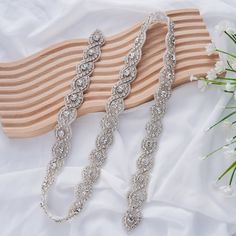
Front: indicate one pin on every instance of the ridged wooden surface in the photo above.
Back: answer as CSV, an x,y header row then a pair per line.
x,y
32,89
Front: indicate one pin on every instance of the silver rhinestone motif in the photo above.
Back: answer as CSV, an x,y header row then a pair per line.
x,y
132,218
67,115
74,99
80,83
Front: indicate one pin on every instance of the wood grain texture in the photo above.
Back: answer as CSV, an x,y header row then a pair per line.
x,y
32,89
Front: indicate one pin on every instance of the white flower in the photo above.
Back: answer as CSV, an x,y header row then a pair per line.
x,y
230,30
219,67
216,184
233,65
223,26
227,189
210,48
230,153
201,158
226,148
202,85
211,74
193,78
219,29
226,124
229,86
229,140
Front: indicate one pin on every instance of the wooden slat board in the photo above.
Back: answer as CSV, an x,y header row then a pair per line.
x,y
32,89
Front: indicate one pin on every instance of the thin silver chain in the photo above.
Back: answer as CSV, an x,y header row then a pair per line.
x,y
139,183
66,115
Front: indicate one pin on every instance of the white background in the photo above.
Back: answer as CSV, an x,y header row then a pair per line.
x,y
182,199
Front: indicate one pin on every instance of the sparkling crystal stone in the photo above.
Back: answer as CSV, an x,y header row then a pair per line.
x,y
132,55
131,219
76,208
122,90
56,163
53,165
84,66
137,40
74,99
119,89
79,82
63,131
162,95
171,40
96,37
126,72
91,51
67,115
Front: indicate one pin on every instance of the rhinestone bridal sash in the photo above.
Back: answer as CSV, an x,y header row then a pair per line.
x,y
109,123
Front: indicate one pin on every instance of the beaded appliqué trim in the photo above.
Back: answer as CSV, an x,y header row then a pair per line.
x,y
138,192
63,133
109,123
114,106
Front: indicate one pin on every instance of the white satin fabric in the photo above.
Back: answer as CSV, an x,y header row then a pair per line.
x,y
182,200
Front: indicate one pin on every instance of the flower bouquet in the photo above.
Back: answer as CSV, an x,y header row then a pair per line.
x,y
217,77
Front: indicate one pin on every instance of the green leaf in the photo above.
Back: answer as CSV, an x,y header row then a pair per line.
x,y
226,91
227,170
219,148
229,65
232,176
230,107
226,78
226,117
231,70
230,36
227,53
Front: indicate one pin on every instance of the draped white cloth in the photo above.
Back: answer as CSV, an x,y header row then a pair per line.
x,y
182,199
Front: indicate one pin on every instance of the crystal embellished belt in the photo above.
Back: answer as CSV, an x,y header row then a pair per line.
x,y
109,123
